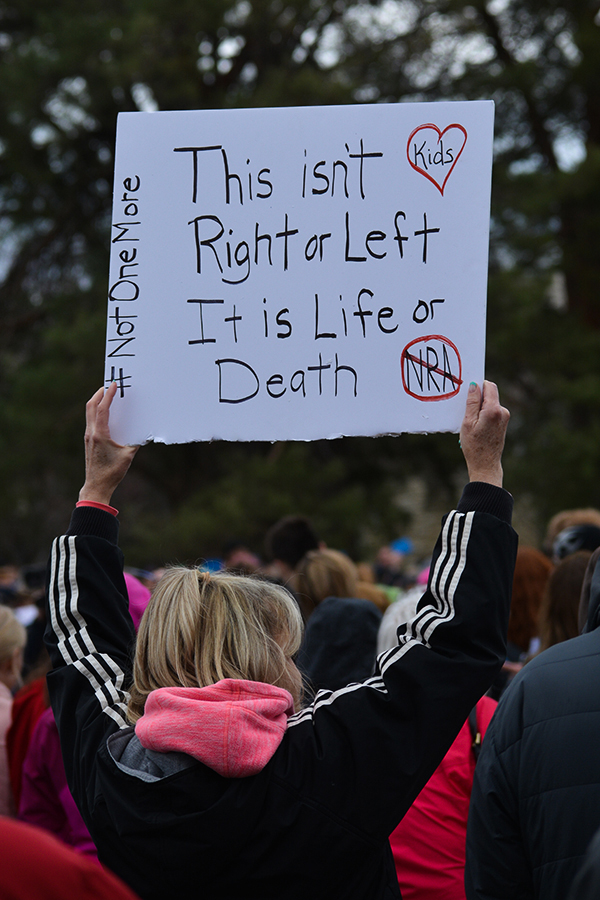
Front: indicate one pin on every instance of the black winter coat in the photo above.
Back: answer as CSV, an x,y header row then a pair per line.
x,y
535,804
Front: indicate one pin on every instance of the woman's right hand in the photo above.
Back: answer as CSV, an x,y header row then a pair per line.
x,y
483,432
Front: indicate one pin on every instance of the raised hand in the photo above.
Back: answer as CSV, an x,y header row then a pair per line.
x,y
483,432
106,462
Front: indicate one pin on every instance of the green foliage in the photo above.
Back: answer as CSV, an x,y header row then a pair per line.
x,y
258,488
68,68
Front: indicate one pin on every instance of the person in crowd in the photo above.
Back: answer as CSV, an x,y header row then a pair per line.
x,y
323,573
44,796
45,799
567,518
29,703
286,542
32,699
9,576
532,571
397,613
138,597
340,641
37,866
31,612
586,591
586,885
368,590
207,775
13,638
559,611
574,538
535,804
239,559
390,564
429,843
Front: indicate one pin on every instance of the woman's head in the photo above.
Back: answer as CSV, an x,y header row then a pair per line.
x,y
200,628
325,573
12,641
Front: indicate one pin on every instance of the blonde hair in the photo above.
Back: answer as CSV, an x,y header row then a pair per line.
x,y
12,634
326,573
200,628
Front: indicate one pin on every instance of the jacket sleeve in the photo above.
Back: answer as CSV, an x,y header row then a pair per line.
x,y
403,719
497,865
89,635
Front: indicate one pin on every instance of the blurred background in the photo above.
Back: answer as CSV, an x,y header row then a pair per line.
x,y
67,67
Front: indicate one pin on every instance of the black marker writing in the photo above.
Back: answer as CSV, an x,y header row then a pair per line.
x,y
203,339
239,382
324,173
425,231
231,178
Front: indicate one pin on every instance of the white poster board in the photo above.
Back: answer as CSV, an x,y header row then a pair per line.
x,y
298,273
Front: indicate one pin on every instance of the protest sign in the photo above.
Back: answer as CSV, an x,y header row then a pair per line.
x,y
298,273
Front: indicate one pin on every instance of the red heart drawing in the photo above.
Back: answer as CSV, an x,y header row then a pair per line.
x,y
433,163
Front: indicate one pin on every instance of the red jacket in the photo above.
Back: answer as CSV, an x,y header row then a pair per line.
x,y
37,866
429,843
28,705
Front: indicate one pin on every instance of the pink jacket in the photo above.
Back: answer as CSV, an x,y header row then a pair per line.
x,y
429,843
45,797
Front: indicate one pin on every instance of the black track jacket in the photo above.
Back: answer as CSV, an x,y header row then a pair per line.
x,y
314,823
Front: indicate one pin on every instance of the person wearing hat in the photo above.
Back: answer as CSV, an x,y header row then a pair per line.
x,y
574,538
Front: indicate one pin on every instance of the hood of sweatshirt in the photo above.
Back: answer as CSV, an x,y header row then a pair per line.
x,y
233,726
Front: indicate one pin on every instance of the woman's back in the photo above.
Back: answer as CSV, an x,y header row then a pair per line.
x,y
314,820
345,771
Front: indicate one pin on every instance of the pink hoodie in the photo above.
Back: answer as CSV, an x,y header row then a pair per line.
x,y
233,726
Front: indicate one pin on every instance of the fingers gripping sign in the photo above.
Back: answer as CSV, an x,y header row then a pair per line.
x,y
106,462
483,432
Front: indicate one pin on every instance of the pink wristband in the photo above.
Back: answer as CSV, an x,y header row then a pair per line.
x,y
104,506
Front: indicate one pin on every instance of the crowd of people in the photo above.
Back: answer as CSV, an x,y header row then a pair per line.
x,y
301,724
